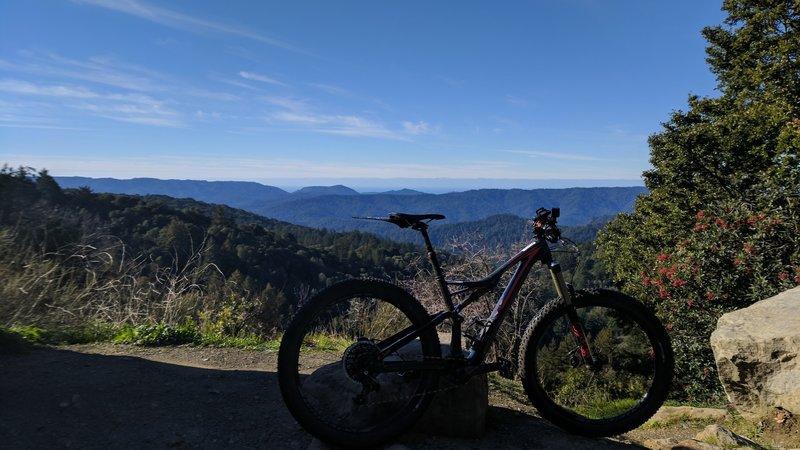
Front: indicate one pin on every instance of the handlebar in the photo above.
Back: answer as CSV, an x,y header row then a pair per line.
x,y
545,224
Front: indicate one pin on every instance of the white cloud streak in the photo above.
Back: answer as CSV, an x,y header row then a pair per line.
x,y
127,107
556,155
298,113
341,125
26,88
100,70
331,89
416,128
256,77
174,19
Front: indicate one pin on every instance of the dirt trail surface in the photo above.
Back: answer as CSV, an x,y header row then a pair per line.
x,y
123,397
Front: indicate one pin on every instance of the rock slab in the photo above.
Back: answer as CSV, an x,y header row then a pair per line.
x,y
756,351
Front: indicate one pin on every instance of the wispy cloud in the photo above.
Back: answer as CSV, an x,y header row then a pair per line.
x,y
556,155
298,118
415,128
342,125
257,77
357,127
125,107
26,88
142,111
289,103
331,89
174,19
212,95
299,113
16,121
100,70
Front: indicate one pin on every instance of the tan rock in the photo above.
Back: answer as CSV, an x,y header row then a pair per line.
x,y
716,435
756,350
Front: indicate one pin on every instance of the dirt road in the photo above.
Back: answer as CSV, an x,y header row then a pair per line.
x,y
123,397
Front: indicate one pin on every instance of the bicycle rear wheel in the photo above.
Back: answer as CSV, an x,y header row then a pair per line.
x,y
627,385
329,365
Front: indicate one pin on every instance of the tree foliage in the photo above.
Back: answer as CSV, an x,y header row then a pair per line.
x,y
726,159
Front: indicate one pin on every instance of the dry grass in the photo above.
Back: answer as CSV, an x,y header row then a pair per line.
x,y
96,280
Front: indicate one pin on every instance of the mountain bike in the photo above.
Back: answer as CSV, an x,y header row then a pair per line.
x,y
361,360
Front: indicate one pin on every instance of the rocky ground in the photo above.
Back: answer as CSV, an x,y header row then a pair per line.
x,y
106,396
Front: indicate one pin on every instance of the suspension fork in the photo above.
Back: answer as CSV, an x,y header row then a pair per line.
x,y
575,325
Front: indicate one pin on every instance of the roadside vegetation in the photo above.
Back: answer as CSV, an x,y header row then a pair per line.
x,y
78,266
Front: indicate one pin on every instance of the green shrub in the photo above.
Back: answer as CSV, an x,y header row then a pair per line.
x,y
30,333
734,257
153,335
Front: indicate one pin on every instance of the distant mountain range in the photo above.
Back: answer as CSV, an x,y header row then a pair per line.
x,y
333,207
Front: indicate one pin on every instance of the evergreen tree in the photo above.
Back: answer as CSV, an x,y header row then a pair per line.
x,y
731,158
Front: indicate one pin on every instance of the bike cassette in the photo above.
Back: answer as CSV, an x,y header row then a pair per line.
x,y
361,360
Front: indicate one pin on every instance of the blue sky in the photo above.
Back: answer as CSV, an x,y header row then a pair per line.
x,y
291,93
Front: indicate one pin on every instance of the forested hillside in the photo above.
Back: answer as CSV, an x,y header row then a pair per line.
x,y
73,255
238,194
578,205
333,207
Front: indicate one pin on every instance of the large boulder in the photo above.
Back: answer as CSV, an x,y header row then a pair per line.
x,y
756,350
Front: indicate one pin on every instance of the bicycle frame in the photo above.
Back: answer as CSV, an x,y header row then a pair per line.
x,y
537,251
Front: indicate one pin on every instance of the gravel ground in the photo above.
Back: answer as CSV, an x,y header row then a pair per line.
x,y
123,397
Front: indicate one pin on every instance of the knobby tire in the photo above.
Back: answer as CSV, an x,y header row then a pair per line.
x,y
633,377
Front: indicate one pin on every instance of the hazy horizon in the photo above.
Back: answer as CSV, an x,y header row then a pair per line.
x,y
425,185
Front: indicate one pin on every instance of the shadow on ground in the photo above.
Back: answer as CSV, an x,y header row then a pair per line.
x,y
63,399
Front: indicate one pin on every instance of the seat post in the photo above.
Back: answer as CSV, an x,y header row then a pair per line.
x,y
437,269
455,331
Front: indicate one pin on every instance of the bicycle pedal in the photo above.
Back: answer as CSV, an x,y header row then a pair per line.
x,y
506,368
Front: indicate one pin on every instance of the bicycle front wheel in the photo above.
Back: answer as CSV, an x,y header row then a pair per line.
x,y
330,364
627,383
